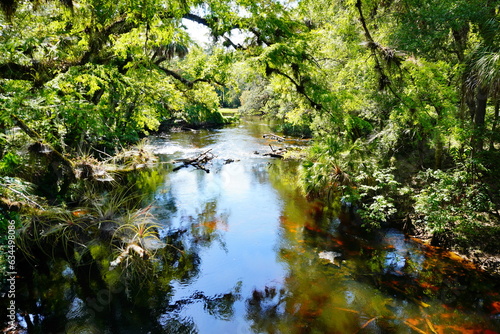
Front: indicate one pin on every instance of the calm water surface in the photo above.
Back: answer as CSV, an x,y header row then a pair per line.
x,y
283,265
248,254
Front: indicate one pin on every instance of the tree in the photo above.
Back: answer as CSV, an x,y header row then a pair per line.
x,y
461,33
98,73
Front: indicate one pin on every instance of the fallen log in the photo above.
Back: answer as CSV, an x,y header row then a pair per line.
x,y
273,136
199,162
276,153
273,155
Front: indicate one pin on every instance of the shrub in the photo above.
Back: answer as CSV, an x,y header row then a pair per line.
x,y
9,164
452,201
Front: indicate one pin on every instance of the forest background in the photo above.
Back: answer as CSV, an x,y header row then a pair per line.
x,y
400,97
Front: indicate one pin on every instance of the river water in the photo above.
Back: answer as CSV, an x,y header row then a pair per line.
x,y
287,266
249,254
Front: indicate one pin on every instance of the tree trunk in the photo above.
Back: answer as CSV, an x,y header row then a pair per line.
x,y
494,126
461,36
34,135
479,118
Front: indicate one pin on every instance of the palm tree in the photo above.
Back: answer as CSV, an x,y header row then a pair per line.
x,y
483,82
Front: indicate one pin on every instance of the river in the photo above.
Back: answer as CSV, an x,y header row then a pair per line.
x,y
249,254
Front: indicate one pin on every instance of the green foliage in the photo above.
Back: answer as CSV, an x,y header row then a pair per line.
x,y
201,107
384,107
255,96
9,164
381,209
96,80
295,130
376,195
321,175
6,219
452,201
4,222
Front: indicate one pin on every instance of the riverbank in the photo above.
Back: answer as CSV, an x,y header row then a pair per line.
x,y
481,252
454,209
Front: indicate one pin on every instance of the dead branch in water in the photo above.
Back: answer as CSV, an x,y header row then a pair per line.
x,y
273,136
199,162
276,153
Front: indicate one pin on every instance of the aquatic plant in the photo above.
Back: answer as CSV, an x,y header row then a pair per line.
x,y
137,232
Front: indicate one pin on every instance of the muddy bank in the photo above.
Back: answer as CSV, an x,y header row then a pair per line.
x,y
481,250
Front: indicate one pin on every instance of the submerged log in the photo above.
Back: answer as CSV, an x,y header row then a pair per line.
x,y
273,155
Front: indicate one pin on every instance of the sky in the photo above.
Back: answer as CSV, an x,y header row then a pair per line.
x,y
201,34
198,32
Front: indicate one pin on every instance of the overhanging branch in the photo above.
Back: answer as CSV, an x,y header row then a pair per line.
x,y
186,82
298,86
215,33
40,72
99,38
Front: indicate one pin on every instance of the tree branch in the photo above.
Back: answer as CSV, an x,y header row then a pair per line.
x,y
99,38
32,72
207,23
185,81
298,86
197,19
373,46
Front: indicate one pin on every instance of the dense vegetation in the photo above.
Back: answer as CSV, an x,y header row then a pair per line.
x,y
401,97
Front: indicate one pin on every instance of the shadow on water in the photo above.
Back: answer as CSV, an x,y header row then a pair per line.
x,y
242,251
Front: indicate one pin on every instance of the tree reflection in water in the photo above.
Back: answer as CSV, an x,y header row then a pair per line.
x,y
341,280
244,252
72,288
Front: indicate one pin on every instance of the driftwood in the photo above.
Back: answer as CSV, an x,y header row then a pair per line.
x,y
273,136
199,162
276,153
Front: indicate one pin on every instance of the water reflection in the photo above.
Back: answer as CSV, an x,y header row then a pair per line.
x,y
303,270
246,253
231,215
